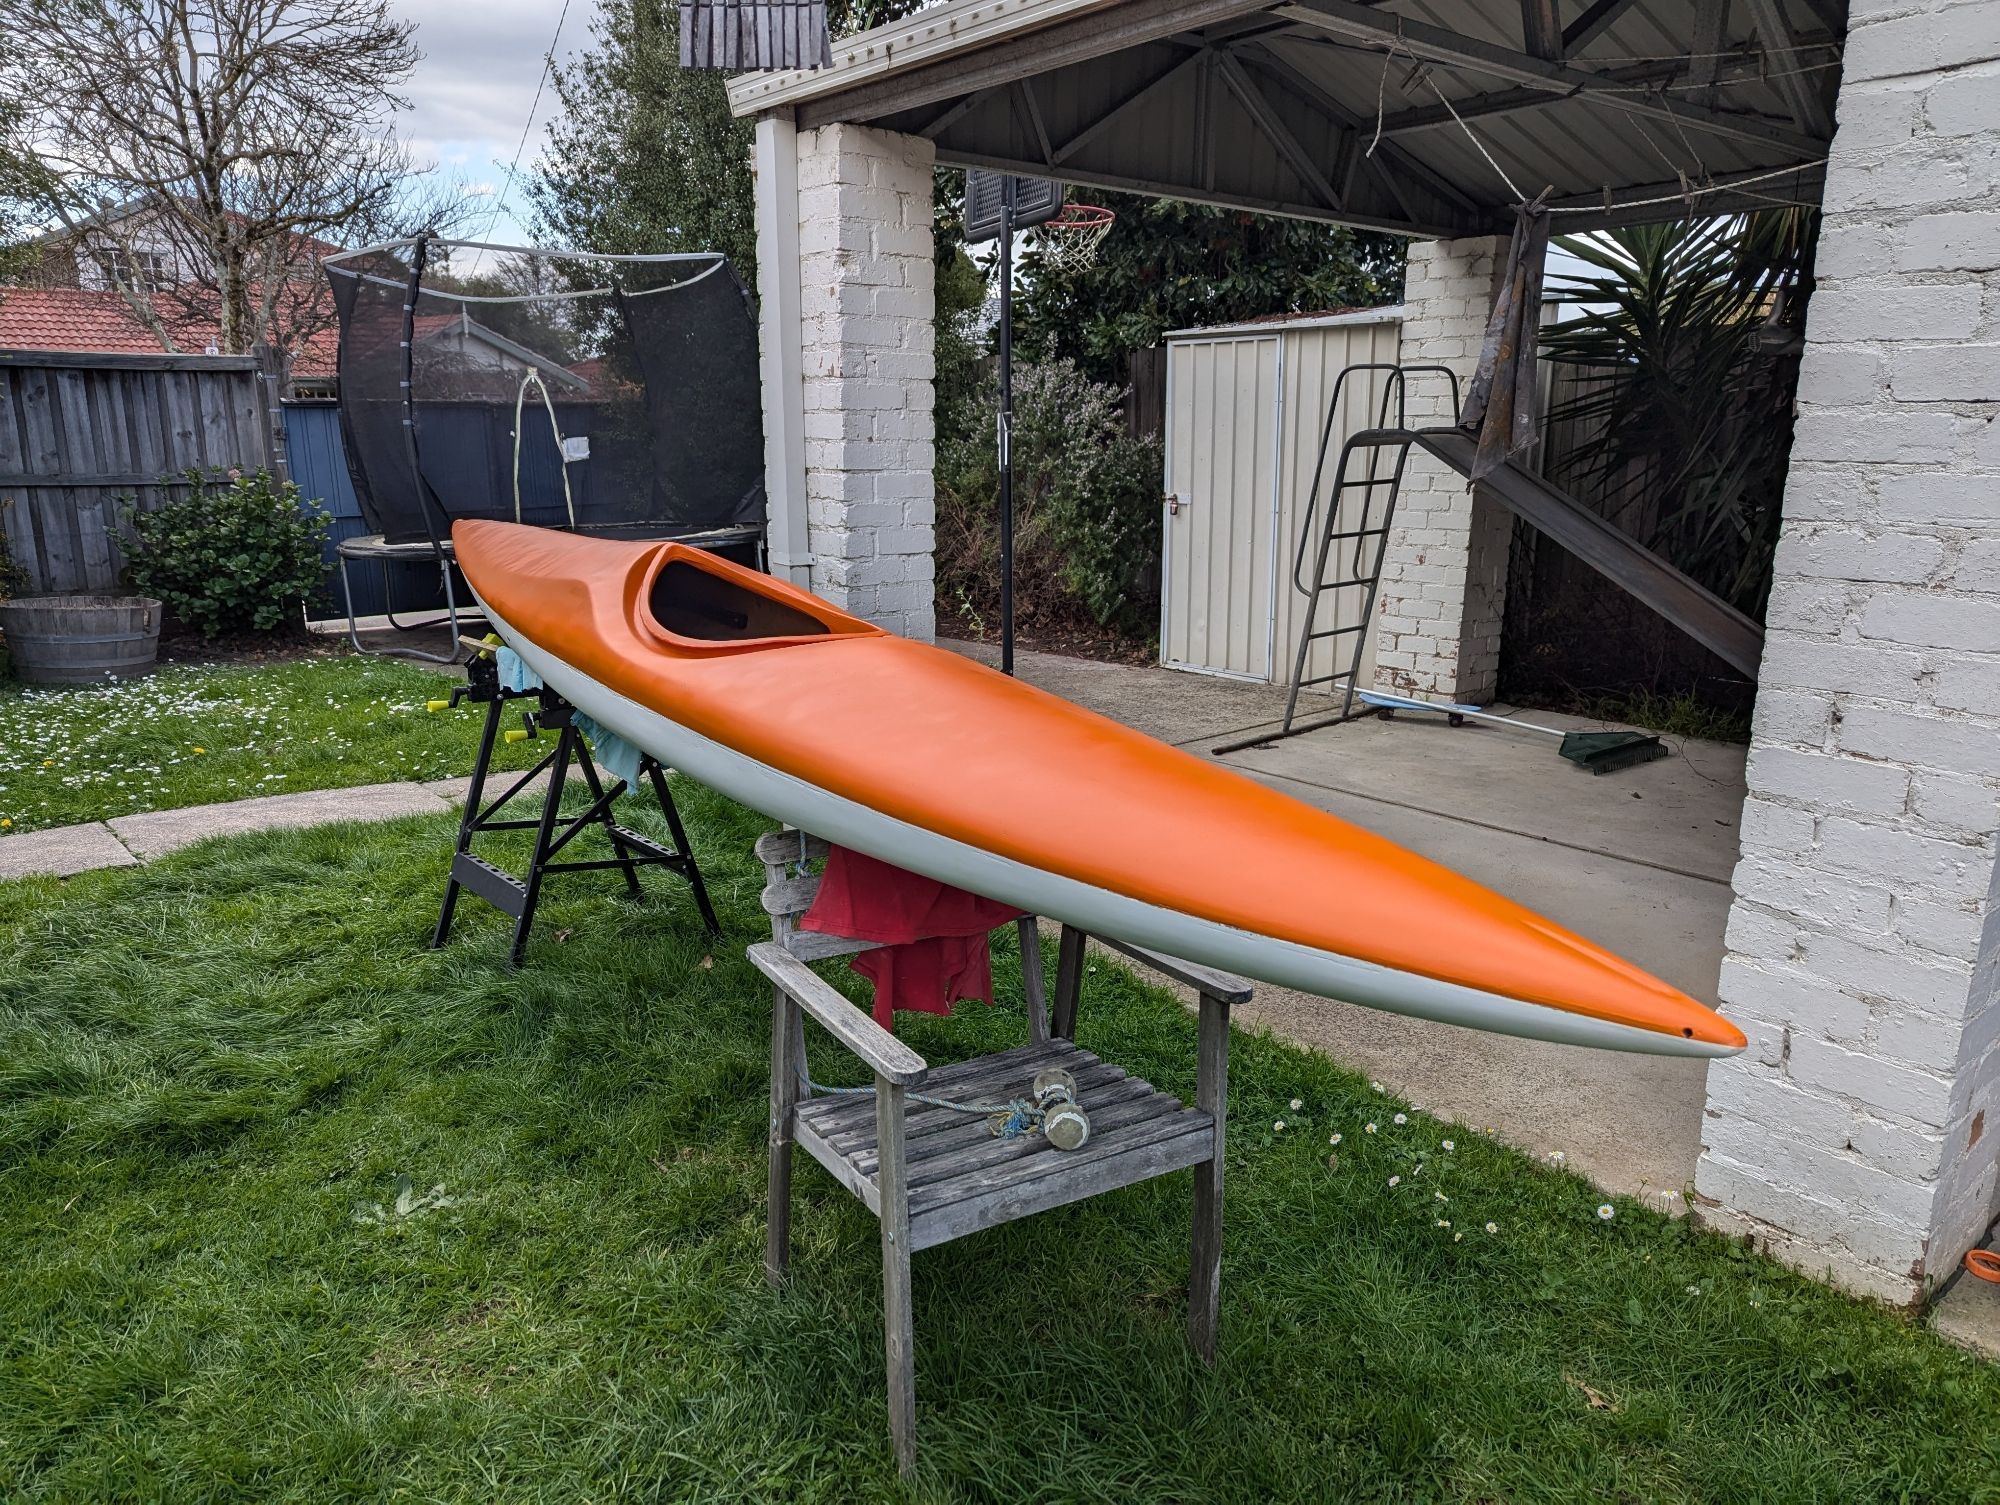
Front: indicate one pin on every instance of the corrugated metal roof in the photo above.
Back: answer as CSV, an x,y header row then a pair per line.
x,y
1323,109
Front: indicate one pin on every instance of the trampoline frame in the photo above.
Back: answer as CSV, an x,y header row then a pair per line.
x,y
429,507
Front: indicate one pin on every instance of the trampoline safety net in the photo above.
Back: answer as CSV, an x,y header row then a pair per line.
x,y
615,396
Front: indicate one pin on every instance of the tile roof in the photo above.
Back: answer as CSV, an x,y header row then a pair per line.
x,y
68,318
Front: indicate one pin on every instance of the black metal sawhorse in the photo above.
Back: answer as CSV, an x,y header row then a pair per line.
x,y
519,897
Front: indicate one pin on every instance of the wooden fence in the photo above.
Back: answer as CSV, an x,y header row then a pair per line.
x,y
83,437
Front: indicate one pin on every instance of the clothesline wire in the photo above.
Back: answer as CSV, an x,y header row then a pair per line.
x,y
1700,191
1689,191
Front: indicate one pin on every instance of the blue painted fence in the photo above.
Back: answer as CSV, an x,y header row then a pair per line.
x,y
318,462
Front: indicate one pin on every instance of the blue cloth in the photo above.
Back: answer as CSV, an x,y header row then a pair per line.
x,y
615,755
515,675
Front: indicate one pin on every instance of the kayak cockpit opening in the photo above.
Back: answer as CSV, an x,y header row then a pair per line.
x,y
690,602
695,602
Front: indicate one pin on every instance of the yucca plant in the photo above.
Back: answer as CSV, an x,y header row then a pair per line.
x,y
1685,344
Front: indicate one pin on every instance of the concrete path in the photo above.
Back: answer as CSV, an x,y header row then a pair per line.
x,y
1638,860
127,840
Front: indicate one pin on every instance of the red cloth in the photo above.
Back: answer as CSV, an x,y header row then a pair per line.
x,y
933,936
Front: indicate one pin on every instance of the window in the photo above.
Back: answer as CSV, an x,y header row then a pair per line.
x,y
144,270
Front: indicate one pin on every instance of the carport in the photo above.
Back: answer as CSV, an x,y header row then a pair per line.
x,y
1851,1136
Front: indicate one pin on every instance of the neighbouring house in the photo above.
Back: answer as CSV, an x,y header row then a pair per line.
x,y
74,293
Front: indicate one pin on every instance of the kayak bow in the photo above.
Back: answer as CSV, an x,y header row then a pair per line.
x,y
923,758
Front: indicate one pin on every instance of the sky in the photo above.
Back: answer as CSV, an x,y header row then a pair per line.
x,y
470,95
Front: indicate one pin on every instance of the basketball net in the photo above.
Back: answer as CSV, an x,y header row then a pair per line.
x,y
1069,242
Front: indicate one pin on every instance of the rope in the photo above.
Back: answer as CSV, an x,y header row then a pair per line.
x,y
1519,197
1022,1116
1692,193
562,460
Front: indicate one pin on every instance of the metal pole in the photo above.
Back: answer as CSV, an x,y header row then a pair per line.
x,y
1006,428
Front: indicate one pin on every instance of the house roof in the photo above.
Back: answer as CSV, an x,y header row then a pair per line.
x,y
68,318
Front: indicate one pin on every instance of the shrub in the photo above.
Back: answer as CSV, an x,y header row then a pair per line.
x,y
238,553
1086,503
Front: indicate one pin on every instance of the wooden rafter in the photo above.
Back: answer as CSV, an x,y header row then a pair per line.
x,y
1436,44
1800,89
1430,225
1591,25
1266,118
952,114
1711,31
1024,96
1541,30
1389,162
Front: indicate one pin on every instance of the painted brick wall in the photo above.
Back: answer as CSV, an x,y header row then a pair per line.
x,y
1853,1137
1444,582
866,304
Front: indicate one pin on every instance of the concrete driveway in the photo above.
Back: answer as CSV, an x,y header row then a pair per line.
x,y
1638,860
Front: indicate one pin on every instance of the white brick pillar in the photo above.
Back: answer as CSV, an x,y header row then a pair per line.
x,y
866,307
1857,1135
1444,580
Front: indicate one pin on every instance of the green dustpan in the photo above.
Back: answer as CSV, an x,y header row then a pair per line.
x,y
1600,752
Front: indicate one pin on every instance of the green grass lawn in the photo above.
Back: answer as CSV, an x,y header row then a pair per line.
x,y
189,736
216,1072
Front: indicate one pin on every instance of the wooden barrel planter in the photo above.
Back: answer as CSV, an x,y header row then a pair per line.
x,y
80,640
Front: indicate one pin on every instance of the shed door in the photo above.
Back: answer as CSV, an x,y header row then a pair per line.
x,y
1219,556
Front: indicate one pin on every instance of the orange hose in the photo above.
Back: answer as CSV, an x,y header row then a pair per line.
x,y
1985,1264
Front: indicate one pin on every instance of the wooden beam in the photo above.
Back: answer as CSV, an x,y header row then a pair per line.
x,y
1387,156
1541,30
1507,101
1450,49
1619,557
1422,226
118,360
1591,25
1801,90
954,113
1739,63
1091,35
1089,133
1024,94
1711,33
1267,120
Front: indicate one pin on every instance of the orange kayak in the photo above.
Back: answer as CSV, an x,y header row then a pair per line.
x,y
940,765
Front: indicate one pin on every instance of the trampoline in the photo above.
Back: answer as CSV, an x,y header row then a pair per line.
x,y
616,396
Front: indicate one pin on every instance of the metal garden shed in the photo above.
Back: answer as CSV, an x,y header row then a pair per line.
x,y
1246,408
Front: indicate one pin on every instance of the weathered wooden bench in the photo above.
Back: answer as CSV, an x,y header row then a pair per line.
x,y
931,1174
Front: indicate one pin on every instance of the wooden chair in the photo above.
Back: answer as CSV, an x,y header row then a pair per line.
x,y
931,1174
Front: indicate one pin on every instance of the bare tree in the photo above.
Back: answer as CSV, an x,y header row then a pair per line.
x,y
242,134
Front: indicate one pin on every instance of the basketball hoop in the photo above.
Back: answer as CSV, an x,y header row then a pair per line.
x,y
1069,242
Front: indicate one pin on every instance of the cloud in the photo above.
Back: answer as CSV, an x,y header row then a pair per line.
x,y
470,95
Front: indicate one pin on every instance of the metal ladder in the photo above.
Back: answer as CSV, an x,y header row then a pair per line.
x,y
1371,462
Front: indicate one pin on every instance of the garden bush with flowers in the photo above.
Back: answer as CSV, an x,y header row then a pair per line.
x,y
240,552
